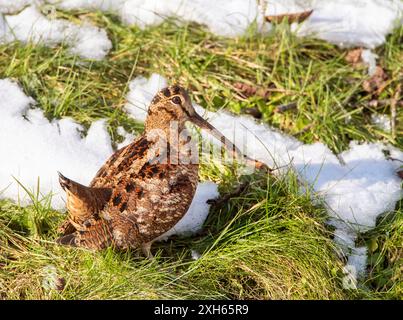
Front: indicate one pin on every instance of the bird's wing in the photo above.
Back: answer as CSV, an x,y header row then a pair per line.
x,y
97,236
125,162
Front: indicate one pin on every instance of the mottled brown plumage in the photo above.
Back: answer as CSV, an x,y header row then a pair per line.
x,y
83,203
143,189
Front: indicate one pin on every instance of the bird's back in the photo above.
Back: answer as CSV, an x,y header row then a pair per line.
x,y
150,193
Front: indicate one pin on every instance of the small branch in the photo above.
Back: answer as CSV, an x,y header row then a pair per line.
x,y
393,111
254,112
384,102
285,107
223,199
304,129
247,90
394,159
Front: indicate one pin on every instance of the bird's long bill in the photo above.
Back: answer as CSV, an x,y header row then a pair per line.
x,y
232,149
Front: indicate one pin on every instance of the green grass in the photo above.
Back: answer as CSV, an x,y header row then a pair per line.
x,y
268,243
271,242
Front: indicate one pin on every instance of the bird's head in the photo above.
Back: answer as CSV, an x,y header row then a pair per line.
x,y
173,103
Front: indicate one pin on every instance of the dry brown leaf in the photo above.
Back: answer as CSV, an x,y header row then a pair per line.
x,y
289,17
354,56
248,91
60,284
376,83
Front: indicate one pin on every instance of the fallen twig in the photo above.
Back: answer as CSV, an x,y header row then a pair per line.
x,y
393,111
223,199
254,112
285,107
384,102
304,129
394,159
246,91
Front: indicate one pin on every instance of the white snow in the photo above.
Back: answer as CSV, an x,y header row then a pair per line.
x,y
382,121
354,269
369,58
343,22
141,92
127,137
195,255
357,185
33,148
357,191
12,6
222,17
49,277
226,18
103,5
30,24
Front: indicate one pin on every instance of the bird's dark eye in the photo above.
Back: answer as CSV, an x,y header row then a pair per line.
x,y
176,100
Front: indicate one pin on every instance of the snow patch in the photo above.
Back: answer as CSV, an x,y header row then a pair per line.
x,y
382,121
369,58
127,137
33,148
141,92
195,255
103,5
30,24
342,22
11,6
226,18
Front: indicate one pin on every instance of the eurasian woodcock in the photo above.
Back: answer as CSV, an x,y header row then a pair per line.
x,y
143,189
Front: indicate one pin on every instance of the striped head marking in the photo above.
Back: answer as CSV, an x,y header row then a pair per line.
x,y
172,102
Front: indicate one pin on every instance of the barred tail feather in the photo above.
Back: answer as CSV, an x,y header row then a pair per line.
x,y
83,200
98,236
